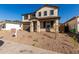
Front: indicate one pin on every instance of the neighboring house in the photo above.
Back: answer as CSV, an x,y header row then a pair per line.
x,y
72,25
9,26
44,19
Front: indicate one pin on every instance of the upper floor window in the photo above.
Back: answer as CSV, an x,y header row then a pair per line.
x,y
39,13
45,13
51,12
32,15
26,17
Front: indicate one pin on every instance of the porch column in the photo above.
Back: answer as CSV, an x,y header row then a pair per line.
x,y
38,26
57,25
31,27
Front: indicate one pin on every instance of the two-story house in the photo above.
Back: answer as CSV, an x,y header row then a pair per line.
x,y
44,19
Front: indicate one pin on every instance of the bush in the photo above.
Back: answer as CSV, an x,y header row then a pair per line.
x,y
33,44
73,30
74,37
36,40
74,41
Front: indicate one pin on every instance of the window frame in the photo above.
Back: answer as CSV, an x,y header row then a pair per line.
x,y
39,14
45,13
51,12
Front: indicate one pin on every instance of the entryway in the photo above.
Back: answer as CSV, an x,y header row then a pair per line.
x,y
48,26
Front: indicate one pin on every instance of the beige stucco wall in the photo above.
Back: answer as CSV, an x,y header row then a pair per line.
x,y
29,16
48,12
72,23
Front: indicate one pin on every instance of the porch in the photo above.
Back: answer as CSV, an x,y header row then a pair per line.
x,y
44,25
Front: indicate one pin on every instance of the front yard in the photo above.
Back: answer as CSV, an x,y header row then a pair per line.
x,y
46,40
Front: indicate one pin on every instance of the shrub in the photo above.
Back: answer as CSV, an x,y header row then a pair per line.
x,y
33,44
36,40
75,41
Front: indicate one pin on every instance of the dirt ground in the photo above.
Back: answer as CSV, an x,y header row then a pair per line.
x,y
60,43
10,47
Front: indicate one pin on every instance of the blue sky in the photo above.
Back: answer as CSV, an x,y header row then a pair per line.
x,y
14,11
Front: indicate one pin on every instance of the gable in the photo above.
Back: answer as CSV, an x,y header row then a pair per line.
x,y
45,9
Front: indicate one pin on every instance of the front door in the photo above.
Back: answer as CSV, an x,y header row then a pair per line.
x,y
48,26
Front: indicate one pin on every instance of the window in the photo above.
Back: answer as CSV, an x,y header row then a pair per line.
x,y
51,12
39,13
33,16
45,13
